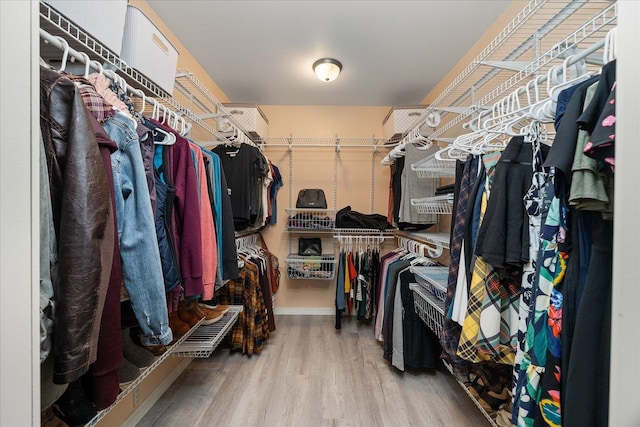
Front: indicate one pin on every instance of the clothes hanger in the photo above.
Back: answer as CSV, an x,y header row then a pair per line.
x,y
609,53
65,54
160,136
144,102
566,81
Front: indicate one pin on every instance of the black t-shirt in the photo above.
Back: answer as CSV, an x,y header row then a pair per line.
x,y
244,167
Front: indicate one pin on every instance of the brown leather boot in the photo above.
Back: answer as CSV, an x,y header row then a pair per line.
x,y
178,326
222,308
211,316
187,314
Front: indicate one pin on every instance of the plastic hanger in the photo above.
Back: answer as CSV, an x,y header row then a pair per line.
x,y
65,54
566,82
166,137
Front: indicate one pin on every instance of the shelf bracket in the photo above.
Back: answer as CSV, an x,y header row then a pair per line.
x,y
456,110
506,65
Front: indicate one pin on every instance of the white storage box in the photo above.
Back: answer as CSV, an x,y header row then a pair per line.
x,y
251,119
147,50
400,120
103,20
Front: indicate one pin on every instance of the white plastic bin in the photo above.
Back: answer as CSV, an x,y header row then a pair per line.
x,y
103,20
147,50
400,119
251,119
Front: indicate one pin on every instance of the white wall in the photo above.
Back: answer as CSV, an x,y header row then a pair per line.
x,y
624,402
19,214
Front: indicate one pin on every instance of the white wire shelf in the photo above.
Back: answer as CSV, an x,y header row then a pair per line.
x,y
320,267
429,308
433,279
206,338
431,167
555,30
311,220
438,205
144,374
362,232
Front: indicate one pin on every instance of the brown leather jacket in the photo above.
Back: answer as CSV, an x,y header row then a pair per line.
x,y
82,216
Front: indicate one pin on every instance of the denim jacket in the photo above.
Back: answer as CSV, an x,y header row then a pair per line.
x,y
141,267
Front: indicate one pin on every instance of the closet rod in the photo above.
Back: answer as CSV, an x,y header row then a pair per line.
x,y
333,146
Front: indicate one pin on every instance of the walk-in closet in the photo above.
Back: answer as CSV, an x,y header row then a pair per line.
x,y
319,213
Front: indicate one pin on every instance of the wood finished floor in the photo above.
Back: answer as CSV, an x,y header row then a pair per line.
x,y
311,375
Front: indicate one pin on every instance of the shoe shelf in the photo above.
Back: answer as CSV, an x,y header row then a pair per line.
x,y
317,267
489,416
315,220
144,374
434,279
206,338
438,205
428,307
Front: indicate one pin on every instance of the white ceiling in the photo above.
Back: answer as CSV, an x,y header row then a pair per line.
x,y
393,52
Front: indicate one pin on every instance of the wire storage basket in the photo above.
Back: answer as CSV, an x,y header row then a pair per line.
x,y
433,279
311,219
319,267
428,308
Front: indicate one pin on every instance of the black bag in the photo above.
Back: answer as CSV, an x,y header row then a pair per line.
x,y
347,218
309,246
311,198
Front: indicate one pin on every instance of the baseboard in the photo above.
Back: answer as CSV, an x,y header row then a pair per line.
x,y
155,395
308,311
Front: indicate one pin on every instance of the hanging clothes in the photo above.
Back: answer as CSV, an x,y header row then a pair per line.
x,y
82,213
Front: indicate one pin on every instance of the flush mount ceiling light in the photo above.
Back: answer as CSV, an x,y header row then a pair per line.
x,y
327,69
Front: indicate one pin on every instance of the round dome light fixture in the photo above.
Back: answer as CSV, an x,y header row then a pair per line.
x,y
327,69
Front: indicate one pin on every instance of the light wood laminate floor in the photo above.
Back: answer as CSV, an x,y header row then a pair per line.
x,y
310,375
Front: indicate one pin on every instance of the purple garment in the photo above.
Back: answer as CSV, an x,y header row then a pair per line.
x,y
186,214
104,373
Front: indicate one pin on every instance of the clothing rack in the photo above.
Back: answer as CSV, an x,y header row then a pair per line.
x,y
582,28
59,34
359,242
